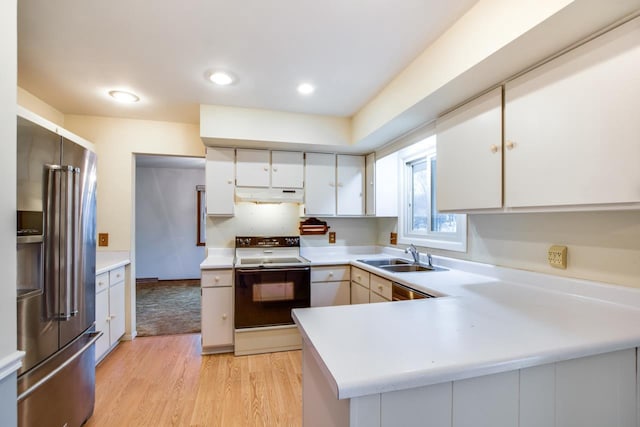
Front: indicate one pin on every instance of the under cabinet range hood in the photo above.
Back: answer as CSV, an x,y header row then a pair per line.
x,y
269,195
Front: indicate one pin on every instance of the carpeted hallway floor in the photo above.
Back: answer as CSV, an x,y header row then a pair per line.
x,y
167,307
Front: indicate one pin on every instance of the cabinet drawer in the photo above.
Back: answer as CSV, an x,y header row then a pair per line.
x,y
213,278
116,276
381,286
360,276
102,282
332,273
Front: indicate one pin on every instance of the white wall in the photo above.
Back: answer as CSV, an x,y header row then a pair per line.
x,y
349,232
166,223
602,246
252,219
8,327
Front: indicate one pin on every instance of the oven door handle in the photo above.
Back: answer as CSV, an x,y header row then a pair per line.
x,y
257,270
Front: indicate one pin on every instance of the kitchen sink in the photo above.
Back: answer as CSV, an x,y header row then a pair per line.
x,y
385,262
410,268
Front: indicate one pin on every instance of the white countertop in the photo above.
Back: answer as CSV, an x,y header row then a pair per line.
x,y
108,260
218,258
497,321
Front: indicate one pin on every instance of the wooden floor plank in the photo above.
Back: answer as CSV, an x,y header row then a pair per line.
x,y
164,381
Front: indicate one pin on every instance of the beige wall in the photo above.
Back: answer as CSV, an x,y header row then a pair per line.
x,y
116,141
602,246
38,106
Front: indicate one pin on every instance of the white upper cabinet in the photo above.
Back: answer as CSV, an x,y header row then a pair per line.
x,y
370,184
287,169
386,185
252,168
572,127
350,181
320,184
469,155
219,172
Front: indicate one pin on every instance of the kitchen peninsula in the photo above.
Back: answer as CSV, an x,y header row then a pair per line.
x,y
502,348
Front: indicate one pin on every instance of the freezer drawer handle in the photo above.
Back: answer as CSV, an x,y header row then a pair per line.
x,y
30,390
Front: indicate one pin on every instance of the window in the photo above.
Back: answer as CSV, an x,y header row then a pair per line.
x,y
419,221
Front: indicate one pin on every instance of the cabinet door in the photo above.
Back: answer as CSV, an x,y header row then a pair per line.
x,y
320,184
370,184
116,312
374,297
252,168
330,293
219,171
469,155
386,185
359,294
571,126
217,316
350,178
287,169
102,322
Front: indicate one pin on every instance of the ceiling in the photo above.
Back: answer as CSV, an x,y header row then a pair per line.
x,y
71,53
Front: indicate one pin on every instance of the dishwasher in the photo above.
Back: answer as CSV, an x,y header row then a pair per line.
x,y
401,293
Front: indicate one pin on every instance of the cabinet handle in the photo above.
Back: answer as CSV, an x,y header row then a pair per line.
x,y
224,316
331,184
229,181
339,184
331,274
510,145
371,183
266,169
217,278
494,148
275,169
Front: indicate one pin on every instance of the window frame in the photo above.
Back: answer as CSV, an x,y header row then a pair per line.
x,y
424,150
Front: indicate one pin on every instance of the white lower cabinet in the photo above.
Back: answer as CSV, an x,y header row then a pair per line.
x,y
330,286
217,311
110,310
359,294
594,391
368,288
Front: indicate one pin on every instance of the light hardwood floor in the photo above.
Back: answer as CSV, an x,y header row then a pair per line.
x,y
164,381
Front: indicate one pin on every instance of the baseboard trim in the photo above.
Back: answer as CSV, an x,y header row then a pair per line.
x,y
216,350
267,340
10,363
129,337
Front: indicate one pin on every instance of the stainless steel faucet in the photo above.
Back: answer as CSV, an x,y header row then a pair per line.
x,y
414,253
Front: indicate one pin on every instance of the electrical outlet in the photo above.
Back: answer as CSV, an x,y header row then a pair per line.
x,y
103,239
332,237
393,238
557,256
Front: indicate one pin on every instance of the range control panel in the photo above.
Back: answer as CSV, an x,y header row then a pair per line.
x,y
267,242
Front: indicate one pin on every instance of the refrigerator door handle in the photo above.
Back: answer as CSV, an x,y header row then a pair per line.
x,y
77,243
51,239
67,243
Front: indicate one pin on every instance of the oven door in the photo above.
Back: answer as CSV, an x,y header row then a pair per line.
x,y
266,296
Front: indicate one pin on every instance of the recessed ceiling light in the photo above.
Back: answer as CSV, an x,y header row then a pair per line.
x,y
306,88
122,96
221,78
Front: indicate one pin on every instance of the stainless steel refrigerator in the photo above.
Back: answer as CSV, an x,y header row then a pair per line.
x,y
56,245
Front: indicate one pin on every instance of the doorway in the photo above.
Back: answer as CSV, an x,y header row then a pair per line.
x,y
169,243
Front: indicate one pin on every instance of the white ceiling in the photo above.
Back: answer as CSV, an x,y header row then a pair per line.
x,y
70,52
